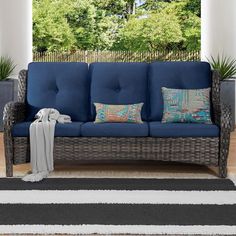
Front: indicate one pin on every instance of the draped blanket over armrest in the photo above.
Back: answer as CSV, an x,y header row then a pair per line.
x,y
41,142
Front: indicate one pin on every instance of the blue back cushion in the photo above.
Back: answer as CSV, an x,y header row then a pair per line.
x,y
119,83
63,86
178,75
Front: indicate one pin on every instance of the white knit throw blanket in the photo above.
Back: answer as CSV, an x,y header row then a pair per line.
x,y
41,143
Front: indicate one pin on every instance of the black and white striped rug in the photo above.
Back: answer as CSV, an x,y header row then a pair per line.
x,y
118,206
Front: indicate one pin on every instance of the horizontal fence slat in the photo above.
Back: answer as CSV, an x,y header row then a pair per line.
x,y
116,56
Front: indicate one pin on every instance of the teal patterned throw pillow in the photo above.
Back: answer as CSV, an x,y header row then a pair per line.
x,y
118,113
186,105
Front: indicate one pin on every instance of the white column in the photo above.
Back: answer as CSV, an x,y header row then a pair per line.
x,y
218,32
218,29
16,31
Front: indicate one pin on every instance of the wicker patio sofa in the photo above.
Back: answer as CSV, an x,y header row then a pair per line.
x,y
56,84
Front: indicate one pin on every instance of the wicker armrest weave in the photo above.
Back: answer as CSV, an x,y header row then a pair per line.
x,y
225,118
225,127
13,112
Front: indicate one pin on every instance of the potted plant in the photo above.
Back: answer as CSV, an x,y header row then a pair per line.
x,y
227,69
8,87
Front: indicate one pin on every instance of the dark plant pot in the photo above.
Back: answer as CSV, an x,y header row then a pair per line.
x,y
8,92
228,97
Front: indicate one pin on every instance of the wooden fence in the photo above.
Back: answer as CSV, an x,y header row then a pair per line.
x,y
116,56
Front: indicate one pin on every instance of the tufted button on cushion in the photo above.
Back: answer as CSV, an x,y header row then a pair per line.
x,y
119,84
118,89
56,90
63,86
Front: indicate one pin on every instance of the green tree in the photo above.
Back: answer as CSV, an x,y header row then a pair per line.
x,y
150,32
93,27
111,7
187,12
116,24
51,30
194,6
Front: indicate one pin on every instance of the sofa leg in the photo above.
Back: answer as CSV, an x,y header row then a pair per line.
x,y
9,169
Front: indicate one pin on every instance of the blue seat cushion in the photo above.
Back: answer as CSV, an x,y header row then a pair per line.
x,y
60,85
91,129
61,130
119,83
158,129
177,75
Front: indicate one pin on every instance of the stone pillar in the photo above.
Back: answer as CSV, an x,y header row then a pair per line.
x,y
16,31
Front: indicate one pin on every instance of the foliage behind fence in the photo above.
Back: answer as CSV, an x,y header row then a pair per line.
x,y
116,56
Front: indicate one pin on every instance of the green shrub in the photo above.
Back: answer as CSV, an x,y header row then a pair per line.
x,y
226,66
6,67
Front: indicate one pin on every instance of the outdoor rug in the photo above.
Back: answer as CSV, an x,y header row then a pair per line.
x,y
118,206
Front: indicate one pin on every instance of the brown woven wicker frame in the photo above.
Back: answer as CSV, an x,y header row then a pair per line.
x,y
212,151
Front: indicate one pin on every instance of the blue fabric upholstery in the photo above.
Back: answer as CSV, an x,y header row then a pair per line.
x,y
178,75
158,129
91,129
119,84
63,86
61,130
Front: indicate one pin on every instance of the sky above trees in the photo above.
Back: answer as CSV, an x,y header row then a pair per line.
x,y
134,25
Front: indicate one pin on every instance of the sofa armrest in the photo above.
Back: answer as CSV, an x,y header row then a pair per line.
x,y
13,112
225,129
225,119
215,97
22,85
